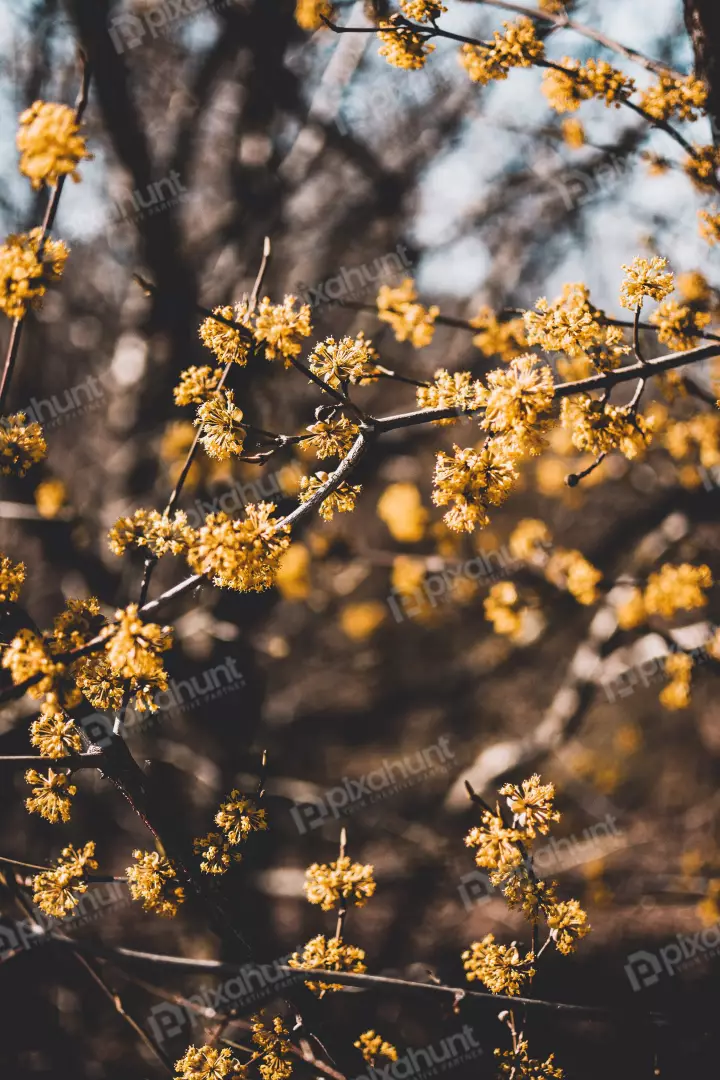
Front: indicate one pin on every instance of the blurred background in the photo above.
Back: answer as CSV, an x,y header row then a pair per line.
x,y
212,128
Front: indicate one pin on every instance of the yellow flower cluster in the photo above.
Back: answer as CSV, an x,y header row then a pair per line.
x,y
402,46
372,1046
500,968
56,891
422,10
50,143
21,444
329,884
571,325
274,1048
308,12
529,539
24,275
573,133
669,97
570,570
221,429
505,850
207,1063
400,508
566,89
676,695
50,796
241,555
679,326
216,852
238,817
224,341
153,880
54,734
504,338
519,46
279,327
133,651
348,360
671,589
598,428
645,278
12,576
517,405
517,1065
702,166
457,391
505,609
332,438
159,533
470,482
409,320
701,432
342,500
196,384
332,955
709,223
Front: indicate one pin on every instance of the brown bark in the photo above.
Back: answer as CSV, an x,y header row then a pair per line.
x,y
702,18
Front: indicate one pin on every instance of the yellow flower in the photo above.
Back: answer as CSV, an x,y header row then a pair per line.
x,y
332,438
333,955
54,734
519,46
220,423
12,576
505,338
347,360
240,554
668,97
402,47
50,143
710,226
497,846
573,133
24,277
21,444
422,11
50,497
499,967
505,610
308,12
133,647
531,805
153,881
527,538
225,342
457,391
372,1045
702,165
598,428
470,482
196,385
568,923
577,82
570,570
157,532
679,326
518,401
676,695
207,1063
701,432
238,817
293,573
217,853
645,278
56,891
279,326
330,885
517,1065
677,588
409,320
360,621
275,1046
569,325
342,499
400,508
50,796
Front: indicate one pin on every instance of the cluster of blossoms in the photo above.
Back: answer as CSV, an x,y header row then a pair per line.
x,y
273,1042
710,226
452,391
470,482
332,438
518,46
26,271
702,166
331,954
349,360
241,555
197,384
699,434
308,12
342,500
572,326
237,817
338,882
504,338
409,320
56,891
402,46
50,795
506,610
272,1056
506,851
516,1064
50,143
679,325
152,879
12,576
671,589
670,97
646,278
278,328
597,427
566,89
222,432
207,1063
161,534
21,444
678,668
372,1046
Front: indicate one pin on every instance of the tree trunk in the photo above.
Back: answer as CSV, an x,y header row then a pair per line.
x,y
702,18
